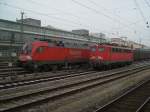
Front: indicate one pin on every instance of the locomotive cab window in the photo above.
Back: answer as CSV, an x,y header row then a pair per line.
x,y
101,49
114,49
40,49
93,49
27,48
119,50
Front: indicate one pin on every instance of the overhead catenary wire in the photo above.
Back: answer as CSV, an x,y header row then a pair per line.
x,y
104,9
130,23
56,18
29,10
64,12
148,4
140,11
60,11
118,16
43,14
99,12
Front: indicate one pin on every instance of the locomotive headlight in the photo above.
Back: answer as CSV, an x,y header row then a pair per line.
x,y
29,58
100,58
93,57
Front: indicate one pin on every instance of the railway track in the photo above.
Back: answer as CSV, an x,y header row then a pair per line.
x,y
145,107
48,76
16,74
6,64
62,89
9,70
5,72
10,74
135,100
14,78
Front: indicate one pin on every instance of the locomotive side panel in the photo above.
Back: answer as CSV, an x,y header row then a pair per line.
x,y
44,54
104,53
121,55
77,55
50,54
107,55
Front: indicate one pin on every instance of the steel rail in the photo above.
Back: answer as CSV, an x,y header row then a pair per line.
x,y
45,79
51,78
109,104
141,108
66,90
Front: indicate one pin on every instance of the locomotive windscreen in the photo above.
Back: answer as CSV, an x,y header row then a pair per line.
x,y
27,48
93,49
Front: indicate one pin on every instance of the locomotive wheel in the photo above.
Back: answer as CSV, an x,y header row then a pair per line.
x,y
66,64
46,68
36,68
70,67
18,63
105,67
60,67
109,67
54,67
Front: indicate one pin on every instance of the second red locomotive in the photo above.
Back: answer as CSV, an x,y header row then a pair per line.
x,y
109,55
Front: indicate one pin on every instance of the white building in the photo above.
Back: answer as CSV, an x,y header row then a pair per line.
x,y
101,35
129,43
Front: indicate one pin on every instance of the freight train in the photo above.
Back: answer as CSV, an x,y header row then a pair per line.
x,y
43,55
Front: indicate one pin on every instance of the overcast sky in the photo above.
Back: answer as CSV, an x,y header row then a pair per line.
x,y
112,17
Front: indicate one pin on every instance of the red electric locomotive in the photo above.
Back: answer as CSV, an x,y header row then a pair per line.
x,y
45,55
109,55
